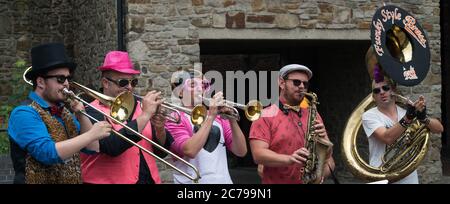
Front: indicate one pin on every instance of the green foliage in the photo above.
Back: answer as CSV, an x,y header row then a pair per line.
x,y
20,88
19,91
4,112
4,143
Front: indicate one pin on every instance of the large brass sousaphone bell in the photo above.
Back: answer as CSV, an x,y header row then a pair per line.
x,y
400,48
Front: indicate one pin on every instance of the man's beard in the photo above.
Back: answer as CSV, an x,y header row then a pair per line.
x,y
56,97
293,100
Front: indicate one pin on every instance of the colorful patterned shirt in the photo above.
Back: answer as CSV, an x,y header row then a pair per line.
x,y
284,130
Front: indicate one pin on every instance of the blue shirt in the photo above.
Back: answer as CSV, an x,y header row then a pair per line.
x,y
28,130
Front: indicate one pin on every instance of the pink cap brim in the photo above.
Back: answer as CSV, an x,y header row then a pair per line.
x,y
120,70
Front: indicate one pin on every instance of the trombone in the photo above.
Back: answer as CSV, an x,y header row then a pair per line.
x,y
252,110
119,110
172,112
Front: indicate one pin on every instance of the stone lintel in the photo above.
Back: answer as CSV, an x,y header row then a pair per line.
x,y
278,34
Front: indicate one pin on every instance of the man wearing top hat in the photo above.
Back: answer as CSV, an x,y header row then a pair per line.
x,y
120,162
45,137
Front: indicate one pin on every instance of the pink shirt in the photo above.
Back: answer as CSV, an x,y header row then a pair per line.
x,y
285,133
183,131
123,169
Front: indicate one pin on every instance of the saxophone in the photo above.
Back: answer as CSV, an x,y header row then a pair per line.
x,y
318,147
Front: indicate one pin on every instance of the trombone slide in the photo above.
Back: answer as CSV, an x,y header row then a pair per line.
x,y
195,179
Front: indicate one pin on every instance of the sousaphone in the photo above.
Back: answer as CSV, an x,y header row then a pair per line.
x,y
401,50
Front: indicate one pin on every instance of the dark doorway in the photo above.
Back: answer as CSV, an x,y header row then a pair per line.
x,y
445,55
340,77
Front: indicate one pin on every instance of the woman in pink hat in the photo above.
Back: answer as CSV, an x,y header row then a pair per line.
x,y
119,162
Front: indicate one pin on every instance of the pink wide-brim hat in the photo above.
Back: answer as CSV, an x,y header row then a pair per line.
x,y
118,61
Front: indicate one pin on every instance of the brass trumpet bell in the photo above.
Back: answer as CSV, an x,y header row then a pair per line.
x,y
198,114
253,110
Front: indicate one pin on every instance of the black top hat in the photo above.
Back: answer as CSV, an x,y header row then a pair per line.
x,y
48,56
394,32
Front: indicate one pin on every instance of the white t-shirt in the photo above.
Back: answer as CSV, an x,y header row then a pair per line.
x,y
372,120
211,160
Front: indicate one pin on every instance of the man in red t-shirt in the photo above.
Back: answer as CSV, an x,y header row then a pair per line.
x,y
277,139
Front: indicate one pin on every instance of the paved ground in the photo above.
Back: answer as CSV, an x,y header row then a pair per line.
x,y
244,175
247,175
444,180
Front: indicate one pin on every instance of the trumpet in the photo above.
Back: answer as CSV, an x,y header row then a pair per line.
x,y
120,108
252,110
172,112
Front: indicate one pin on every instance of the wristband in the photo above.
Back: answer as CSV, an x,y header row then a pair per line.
x,y
404,123
425,121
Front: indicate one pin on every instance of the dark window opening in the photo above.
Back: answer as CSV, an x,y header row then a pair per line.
x,y
340,78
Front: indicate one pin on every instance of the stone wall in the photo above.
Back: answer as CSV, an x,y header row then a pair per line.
x,y
27,23
95,33
7,46
164,35
87,28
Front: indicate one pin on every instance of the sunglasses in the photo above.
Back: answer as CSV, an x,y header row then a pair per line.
x,y
378,90
191,84
298,82
124,82
59,78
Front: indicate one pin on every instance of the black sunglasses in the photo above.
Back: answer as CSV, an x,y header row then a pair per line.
x,y
124,82
298,82
59,78
378,90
